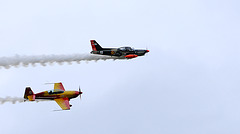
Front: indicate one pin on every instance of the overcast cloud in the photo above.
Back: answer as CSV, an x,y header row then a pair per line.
x,y
187,84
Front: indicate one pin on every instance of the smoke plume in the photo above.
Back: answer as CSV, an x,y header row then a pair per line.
x,y
43,60
13,100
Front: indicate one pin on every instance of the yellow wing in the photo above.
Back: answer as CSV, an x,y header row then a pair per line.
x,y
59,86
63,103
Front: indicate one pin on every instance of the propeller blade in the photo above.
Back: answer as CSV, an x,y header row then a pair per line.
x,y
79,89
80,93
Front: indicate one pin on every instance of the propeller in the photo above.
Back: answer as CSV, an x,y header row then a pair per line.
x,y
80,93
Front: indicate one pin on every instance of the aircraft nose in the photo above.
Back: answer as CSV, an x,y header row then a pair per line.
x,y
147,51
77,93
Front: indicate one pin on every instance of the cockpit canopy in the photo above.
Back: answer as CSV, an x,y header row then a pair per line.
x,y
126,49
55,91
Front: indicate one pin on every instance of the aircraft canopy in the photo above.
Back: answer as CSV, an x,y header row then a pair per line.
x,y
55,91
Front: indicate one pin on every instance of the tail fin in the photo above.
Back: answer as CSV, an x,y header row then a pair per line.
x,y
95,46
29,95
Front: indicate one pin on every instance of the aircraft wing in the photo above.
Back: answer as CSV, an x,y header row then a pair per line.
x,y
59,86
63,103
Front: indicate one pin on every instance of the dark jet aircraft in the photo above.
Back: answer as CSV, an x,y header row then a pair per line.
x,y
124,52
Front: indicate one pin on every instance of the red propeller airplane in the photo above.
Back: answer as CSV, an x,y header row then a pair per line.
x,y
58,94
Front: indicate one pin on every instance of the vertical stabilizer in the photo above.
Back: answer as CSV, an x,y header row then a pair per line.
x,y
29,95
95,46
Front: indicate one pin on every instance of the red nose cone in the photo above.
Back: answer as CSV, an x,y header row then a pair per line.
x,y
147,51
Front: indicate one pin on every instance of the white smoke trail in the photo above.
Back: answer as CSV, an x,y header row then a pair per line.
x,y
11,99
43,60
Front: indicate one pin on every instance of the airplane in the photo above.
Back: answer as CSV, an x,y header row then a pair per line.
x,y
57,94
123,52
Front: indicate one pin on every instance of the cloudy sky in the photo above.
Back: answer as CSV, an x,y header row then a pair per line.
x,y
187,84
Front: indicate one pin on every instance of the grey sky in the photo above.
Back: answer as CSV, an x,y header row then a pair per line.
x,y
188,83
